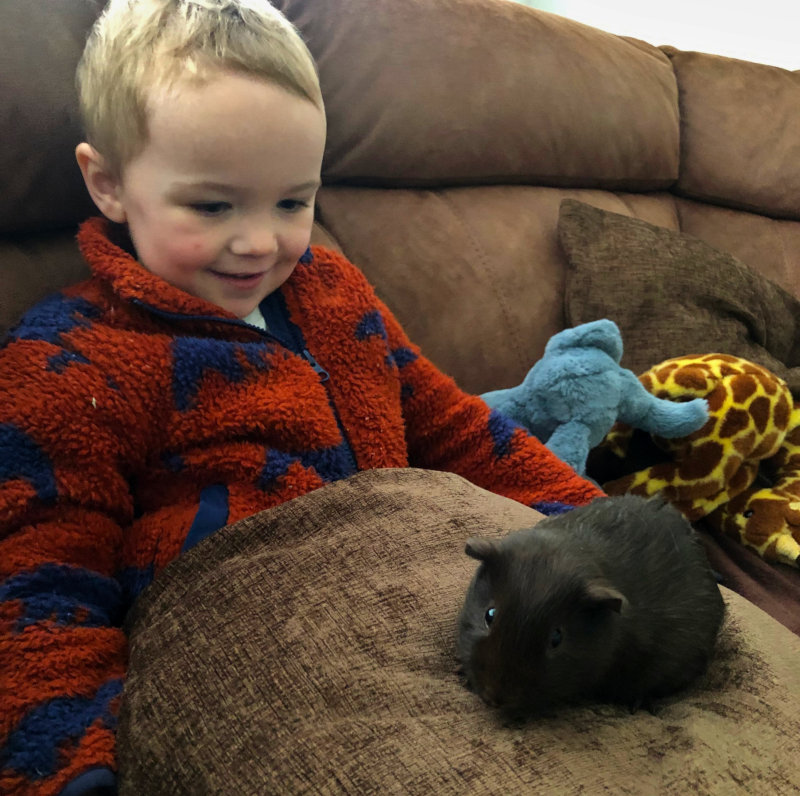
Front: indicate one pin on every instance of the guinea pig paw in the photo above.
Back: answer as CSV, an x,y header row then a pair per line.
x,y
513,719
643,703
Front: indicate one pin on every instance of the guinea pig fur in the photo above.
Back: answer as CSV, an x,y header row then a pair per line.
x,y
614,601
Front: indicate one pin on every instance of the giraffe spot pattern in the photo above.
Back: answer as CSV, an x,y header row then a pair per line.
x,y
725,358
760,412
744,444
768,446
742,387
716,398
781,412
705,457
734,422
730,468
752,418
690,379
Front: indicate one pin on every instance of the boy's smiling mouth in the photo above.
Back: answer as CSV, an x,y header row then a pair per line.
x,y
245,280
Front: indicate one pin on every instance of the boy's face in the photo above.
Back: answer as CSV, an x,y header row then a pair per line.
x,y
220,201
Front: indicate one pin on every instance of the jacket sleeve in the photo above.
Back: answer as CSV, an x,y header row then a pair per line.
x,y
448,429
63,501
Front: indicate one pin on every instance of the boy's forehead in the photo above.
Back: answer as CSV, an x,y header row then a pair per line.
x,y
248,135
230,114
225,93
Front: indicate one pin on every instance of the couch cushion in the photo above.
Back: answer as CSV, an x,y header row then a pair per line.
x,y
310,649
40,44
769,246
519,95
672,294
734,146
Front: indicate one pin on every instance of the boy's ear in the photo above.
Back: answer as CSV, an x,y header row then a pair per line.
x,y
103,186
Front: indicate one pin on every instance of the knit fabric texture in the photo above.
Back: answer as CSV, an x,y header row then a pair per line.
x,y
136,420
311,649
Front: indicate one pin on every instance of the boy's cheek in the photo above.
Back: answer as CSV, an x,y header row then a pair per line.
x,y
301,237
183,243
190,252
169,256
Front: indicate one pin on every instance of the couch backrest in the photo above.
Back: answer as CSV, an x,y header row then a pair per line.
x,y
455,129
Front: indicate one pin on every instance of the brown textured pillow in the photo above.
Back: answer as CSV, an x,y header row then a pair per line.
x,y
310,649
672,294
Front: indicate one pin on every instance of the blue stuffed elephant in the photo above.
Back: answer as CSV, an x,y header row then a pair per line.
x,y
572,397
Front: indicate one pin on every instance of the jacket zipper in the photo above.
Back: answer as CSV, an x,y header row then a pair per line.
x,y
297,348
280,313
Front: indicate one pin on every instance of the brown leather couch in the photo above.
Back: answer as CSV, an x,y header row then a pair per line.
x,y
455,131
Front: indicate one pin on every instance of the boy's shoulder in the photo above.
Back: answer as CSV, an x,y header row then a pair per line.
x,y
58,313
331,267
328,257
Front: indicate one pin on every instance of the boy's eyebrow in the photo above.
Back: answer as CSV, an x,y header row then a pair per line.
x,y
205,185
210,185
306,186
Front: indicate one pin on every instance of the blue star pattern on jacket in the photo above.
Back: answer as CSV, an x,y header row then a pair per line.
x,y
403,356
330,464
502,430
53,317
371,324
55,724
193,357
61,361
65,595
21,457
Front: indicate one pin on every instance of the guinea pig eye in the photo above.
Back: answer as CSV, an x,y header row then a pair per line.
x,y
747,514
489,616
556,637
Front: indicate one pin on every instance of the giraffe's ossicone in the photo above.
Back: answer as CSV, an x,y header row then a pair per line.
x,y
711,472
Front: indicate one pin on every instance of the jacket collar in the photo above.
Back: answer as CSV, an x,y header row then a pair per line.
x,y
131,281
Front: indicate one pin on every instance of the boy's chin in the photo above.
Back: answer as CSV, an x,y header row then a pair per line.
x,y
244,312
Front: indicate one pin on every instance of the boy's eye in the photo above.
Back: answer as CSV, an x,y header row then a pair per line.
x,y
292,205
210,208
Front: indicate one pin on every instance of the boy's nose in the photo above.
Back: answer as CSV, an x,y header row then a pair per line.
x,y
257,239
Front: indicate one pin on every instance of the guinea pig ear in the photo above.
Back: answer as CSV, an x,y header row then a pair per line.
x,y
601,594
480,549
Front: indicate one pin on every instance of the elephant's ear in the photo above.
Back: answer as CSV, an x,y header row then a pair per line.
x,y
603,335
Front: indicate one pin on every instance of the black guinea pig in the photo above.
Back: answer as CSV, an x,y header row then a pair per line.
x,y
614,601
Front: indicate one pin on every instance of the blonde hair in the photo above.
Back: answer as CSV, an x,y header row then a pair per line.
x,y
139,45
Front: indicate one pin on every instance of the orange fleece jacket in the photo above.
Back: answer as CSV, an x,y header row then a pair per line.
x,y
136,420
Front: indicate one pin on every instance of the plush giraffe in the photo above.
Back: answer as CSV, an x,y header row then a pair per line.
x,y
767,519
751,419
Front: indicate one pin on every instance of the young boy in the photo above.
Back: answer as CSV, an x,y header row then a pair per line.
x,y
212,366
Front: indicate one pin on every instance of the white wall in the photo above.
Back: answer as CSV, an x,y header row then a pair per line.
x,y
767,31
